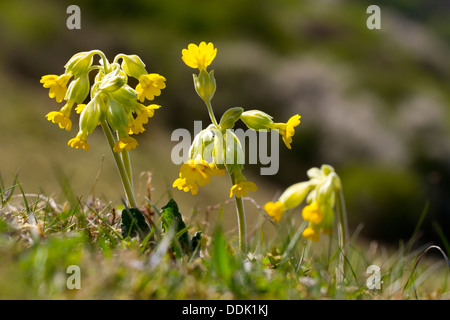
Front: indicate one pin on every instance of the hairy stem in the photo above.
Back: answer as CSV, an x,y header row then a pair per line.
x,y
211,113
240,211
120,166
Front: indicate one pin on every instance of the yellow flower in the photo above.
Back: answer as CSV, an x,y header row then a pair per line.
x,y
61,119
311,234
142,118
287,129
57,85
149,86
181,184
196,171
79,108
313,213
220,172
126,143
241,189
79,142
275,210
199,56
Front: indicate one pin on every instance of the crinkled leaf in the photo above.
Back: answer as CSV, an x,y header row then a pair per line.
x,y
134,224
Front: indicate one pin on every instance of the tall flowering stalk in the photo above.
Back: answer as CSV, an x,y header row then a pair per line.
x,y
324,198
113,104
216,149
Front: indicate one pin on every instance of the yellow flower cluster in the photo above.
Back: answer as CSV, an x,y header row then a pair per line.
x,y
194,174
200,57
320,193
112,101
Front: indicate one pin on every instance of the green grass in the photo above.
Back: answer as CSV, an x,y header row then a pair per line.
x,y
40,239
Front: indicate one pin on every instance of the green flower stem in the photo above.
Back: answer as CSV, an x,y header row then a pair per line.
x,y
120,166
241,224
342,234
127,163
241,221
211,113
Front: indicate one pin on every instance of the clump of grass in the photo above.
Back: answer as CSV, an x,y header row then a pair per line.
x,y
40,237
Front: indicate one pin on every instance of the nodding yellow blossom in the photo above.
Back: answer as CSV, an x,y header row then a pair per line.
x,y
57,85
126,143
311,234
241,189
142,117
287,130
149,86
113,103
275,210
199,57
197,171
181,184
313,213
320,192
79,142
61,119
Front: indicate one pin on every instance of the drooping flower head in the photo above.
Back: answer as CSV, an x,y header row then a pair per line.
x,y
320,193
113,102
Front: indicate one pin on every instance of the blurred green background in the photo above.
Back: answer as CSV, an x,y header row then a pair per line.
x,y
374,103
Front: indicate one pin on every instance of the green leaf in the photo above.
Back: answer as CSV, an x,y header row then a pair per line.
x,y
221,257
134,224
171,215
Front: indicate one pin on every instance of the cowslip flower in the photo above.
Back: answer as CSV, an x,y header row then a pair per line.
x,y
241,189
79,142
57,85
113,104
220,144
142,116
275,210
181,184
61,117
258,120
199,57
311,234
320,194
290,198
313,213
287,130
126,143
149,86
195,173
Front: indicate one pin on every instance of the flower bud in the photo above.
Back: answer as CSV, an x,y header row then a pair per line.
x,y
90,116
230,117
116,115
205,85
295,194
79,63
133,65
256,120
78,89
112,81
234,155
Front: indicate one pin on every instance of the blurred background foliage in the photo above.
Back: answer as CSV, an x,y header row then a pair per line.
x,y
374,103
